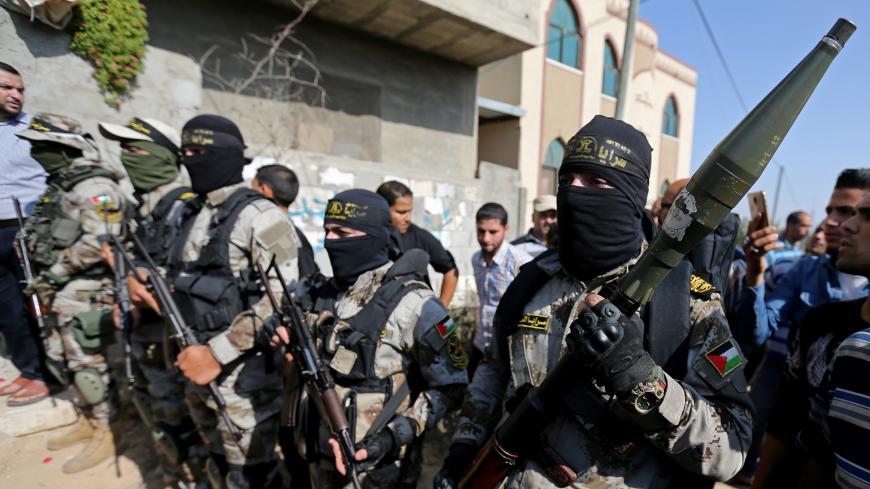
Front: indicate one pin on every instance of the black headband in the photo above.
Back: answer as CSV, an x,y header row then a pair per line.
x,y
43,125
152,132
210,138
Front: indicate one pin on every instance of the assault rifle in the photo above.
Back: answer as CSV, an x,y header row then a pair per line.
x,y
55,368
321,387
169,310
122,298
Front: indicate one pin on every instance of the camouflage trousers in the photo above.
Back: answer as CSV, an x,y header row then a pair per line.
x,y
159,391
252,393
76,297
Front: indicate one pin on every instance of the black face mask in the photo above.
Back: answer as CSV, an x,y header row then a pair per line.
x,y
599,229
351,257
218,168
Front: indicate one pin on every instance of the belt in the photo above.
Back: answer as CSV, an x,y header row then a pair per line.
x,y
8,223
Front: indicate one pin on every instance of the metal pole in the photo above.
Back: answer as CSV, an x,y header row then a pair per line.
x,y
776,195
627,58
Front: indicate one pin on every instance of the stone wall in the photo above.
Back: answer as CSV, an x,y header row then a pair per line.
x,y
390,111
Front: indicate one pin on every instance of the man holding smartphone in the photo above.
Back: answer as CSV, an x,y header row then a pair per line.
x,y
760,314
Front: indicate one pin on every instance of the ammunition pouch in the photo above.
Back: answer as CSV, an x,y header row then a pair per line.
x,y
90,385
210,303
93,329
65,232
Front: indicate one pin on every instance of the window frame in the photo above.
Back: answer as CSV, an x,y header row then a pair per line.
x,y
564,35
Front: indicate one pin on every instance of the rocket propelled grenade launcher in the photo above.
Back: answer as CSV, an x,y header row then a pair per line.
x,y
714,190
729,171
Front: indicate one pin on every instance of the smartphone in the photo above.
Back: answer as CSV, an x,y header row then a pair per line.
x,y
758,204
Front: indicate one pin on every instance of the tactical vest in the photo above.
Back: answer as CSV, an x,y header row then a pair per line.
x,y
49,229
159,230
208,294
349,345
667,327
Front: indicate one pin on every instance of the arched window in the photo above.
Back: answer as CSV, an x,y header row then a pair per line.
x,y
611,71
563,35
550,172
670,120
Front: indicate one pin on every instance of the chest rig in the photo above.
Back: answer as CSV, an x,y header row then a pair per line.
x,y
50,229
208,294
349,345
159,230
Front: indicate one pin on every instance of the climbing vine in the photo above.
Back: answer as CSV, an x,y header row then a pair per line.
x,y
111,35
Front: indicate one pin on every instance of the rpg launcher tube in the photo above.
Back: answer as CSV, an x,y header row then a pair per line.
x,y
729,171
719,184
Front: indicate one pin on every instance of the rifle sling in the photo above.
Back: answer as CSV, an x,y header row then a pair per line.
x,y
389,410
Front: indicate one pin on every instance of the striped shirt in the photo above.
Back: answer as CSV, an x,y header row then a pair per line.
x,y
492,279
848,420
20,175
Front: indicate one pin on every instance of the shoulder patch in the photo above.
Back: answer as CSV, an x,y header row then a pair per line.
x,y
725,357
699,286
107,209
445,327
537,322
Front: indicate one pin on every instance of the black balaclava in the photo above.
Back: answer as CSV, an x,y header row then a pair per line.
x,y
600,229
222,164
365,211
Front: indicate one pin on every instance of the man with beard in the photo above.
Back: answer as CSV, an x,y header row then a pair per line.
x,y
82,205
149,154
662,403
388,341
23,177
217,289
773,314
811,282
837,439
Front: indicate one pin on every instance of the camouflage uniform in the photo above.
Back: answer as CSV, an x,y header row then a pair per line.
x,y
249,383
82,204
159,384
695,429
418,337
64,233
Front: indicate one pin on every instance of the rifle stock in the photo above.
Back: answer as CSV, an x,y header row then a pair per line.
x,y
724,178
320,384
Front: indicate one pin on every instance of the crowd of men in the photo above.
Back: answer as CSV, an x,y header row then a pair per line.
x,y
750,361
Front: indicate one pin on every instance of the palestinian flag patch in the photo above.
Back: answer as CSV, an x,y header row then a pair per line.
x,y
445,327
725,357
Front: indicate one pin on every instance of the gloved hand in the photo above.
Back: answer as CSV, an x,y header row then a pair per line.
x,y
376,447
610,345
459,458
269,330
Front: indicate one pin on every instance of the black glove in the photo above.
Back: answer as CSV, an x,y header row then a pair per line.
x,y
611,346
459,457
378,446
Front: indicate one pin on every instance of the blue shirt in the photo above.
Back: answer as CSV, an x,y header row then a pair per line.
x,y
492,279
20,175
812,281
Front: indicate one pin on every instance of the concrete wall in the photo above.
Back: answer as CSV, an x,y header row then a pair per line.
x,y
390,111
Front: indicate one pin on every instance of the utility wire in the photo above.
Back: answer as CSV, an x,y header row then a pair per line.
x,y
721,56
